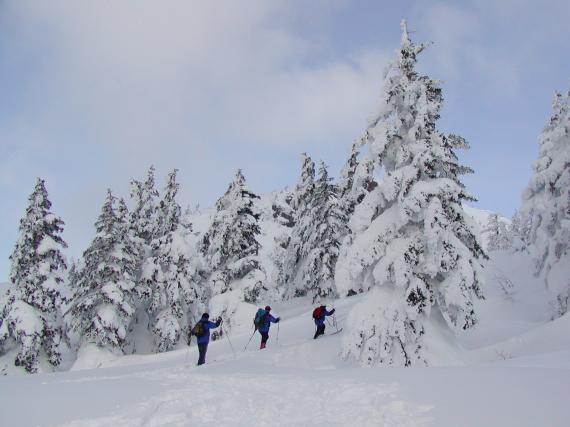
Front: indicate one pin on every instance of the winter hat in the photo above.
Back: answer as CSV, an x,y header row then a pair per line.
x,y
205,316
267,308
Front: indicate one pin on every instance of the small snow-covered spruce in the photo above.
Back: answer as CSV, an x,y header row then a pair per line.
x,y
176,292
296,250
547,202
520,231
419,252
31,321
105,301
499,236
230,248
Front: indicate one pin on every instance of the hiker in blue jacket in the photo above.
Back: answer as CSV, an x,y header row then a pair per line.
x,y
319,315
268,319
204,338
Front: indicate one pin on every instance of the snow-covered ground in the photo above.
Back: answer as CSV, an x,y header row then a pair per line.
x,y
514,371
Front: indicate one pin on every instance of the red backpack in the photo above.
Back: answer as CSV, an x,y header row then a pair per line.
x,y
317,312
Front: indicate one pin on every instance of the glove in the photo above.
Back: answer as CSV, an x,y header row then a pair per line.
x,y
277,320
333,310
220,319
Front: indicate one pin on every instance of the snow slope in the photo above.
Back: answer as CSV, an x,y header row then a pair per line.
x,y
521,381
513,369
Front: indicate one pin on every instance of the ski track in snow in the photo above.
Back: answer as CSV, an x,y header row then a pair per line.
x,y
515,372
270,400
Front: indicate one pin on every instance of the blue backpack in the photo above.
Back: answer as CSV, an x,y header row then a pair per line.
x,y
259,318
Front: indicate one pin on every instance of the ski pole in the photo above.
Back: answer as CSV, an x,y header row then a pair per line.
x,y
231,346
334,322
188,349
187,356
250,338
277,333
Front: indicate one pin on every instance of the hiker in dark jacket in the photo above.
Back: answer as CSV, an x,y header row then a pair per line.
x,y
320,319
268,319
204,339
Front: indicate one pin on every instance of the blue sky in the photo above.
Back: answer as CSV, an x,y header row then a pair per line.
x,y
95,92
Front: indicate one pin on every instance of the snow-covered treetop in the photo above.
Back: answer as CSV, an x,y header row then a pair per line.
x,y
307,170
235,189
39,242
305,184
169,209
143,216
232,235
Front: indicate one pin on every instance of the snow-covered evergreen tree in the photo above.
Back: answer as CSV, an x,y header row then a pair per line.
x,y
176,289
31,320
105,296
419,252
499,236
143,219
547,202
305,187
520,231
316,239
230,248
296,250
144,226
328,226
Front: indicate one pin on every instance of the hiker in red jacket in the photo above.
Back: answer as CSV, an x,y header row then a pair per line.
x,y
319,315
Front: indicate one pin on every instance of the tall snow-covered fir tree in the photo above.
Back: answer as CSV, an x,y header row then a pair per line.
x,y
175,286
419,254
316,238
231,247
296,250
547,202
143,224
31,321
328,226
105,300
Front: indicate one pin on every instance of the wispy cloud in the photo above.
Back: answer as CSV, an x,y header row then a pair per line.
x,y
108,88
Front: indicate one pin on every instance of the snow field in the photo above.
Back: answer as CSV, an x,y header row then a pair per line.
x,y
298,381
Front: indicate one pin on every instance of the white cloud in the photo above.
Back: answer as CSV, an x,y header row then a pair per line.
x,y
461,52
117,86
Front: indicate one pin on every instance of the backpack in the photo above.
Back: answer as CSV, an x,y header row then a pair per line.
x,y
318,312
198,329
259,318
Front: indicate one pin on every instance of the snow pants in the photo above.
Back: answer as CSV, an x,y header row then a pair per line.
x,y
202,348
264,338
320,331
